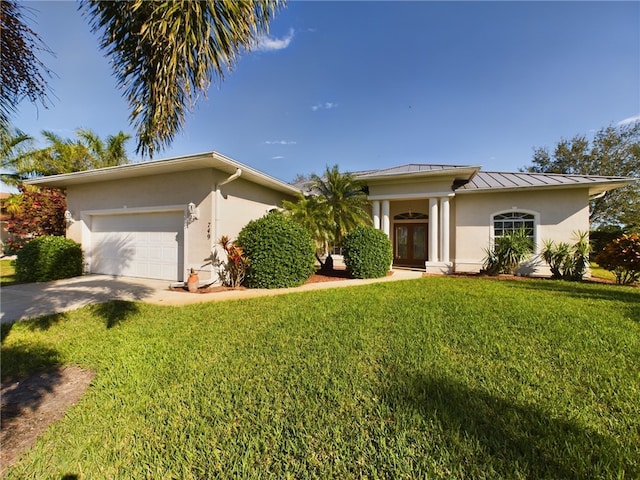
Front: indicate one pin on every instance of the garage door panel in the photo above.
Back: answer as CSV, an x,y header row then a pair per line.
x,y
146,245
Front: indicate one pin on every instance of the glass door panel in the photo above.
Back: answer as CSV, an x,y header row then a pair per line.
x,y
410,244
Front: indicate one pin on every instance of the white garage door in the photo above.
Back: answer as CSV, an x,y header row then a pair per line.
x,y
147,245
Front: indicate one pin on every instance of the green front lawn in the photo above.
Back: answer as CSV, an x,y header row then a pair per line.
x,y
7,272
434,378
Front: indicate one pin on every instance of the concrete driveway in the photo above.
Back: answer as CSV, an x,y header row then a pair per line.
x,y
30,300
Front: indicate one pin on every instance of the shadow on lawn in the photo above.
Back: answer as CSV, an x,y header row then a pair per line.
x,y
115,312
521,440
23,359
628,295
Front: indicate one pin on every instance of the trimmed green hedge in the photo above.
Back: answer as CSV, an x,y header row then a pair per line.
x,y
367,252
49,258
281,252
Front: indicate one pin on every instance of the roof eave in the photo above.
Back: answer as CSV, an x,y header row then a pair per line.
x,y
170,165
465,172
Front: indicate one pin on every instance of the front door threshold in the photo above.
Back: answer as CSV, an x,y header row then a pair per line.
x,y
442,268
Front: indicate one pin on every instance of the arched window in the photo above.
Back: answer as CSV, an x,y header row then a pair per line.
x,y
506,222
411,216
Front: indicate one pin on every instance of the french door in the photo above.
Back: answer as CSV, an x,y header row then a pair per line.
x,y
410,244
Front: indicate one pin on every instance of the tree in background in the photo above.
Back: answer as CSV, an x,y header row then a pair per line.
x,y
613,151
23,75
61,155
40,212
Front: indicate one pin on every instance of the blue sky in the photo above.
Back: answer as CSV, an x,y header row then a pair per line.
x,y
375,84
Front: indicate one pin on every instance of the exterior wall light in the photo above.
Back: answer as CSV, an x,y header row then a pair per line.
x,y
68,218
193,212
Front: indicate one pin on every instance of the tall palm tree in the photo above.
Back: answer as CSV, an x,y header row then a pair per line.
x,y
64,155
346,201
23,75
164,54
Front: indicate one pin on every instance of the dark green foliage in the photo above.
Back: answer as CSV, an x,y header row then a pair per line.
x,y
507,253
49,258
622,257
367,252
602,236
613,151
281,252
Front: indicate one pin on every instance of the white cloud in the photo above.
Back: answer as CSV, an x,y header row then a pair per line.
x,y
280,142
270,44
277,157
629,120
324,106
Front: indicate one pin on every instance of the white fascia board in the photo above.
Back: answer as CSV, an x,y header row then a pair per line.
x,y
170,165
469,172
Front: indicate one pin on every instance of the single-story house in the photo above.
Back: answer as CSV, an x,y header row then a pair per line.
x,y
160,218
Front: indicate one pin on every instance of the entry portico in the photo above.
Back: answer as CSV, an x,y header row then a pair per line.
x,y
412,205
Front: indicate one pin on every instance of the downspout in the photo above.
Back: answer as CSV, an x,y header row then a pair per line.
x,y
216,209
599,195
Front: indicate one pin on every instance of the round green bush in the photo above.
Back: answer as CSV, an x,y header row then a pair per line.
x,y
280,252
367,252
48,258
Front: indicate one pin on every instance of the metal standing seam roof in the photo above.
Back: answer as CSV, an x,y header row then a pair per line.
x,y
483,181
408,168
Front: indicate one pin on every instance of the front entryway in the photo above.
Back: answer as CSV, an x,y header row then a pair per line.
x,y
410,244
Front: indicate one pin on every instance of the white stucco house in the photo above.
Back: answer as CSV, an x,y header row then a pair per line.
x,y
160,218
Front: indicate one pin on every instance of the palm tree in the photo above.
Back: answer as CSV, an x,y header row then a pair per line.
x,y
15,145
346,201
312,212
165,54
66,155
23,75
336,205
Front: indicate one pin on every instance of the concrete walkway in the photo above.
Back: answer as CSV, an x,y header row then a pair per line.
x,y
30,300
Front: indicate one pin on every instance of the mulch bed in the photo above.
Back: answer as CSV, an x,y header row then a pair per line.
x,y
319,277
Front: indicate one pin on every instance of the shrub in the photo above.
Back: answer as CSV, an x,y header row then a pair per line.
x,y
280,252
622,257
507,252
568,262
367,252
48,258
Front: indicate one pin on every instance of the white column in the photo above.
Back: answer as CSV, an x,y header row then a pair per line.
x,y
376,214
433,230
444,229
385,217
